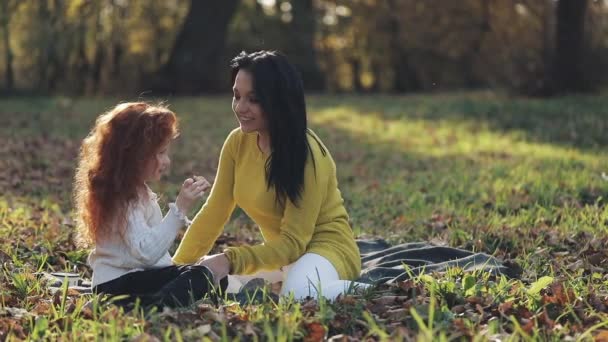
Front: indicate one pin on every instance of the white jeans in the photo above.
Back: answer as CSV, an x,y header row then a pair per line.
x,y
311,275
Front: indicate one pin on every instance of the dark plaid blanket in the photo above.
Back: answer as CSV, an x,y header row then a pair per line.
x,y
383,263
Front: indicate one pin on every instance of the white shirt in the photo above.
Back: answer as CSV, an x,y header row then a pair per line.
x,y
146,242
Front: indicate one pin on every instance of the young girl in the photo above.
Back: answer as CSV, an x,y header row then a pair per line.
x,y
119,214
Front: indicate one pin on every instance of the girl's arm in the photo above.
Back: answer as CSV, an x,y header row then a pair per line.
x,y
148,244
210,220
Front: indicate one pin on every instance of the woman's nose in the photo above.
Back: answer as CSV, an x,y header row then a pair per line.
x,y
240,107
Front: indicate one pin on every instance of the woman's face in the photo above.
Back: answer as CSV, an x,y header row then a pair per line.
x,y
245,104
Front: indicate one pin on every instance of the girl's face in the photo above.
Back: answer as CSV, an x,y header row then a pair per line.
x,y
245,104
158,165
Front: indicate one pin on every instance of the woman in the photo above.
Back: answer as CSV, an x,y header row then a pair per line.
x,y
283,177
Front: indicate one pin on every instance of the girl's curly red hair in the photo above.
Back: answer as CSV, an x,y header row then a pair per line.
x,y
112,163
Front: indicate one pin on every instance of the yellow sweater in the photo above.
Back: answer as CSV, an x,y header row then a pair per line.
x,y
318,225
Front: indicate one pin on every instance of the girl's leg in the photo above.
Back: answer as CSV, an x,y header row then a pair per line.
x,y
191,284
139,282
313,275
172,285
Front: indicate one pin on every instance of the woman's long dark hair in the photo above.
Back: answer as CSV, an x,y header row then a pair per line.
x,y
280,92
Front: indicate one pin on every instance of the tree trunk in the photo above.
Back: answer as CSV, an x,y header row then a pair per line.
x,y
472,58
569,48
405,78
80,66
49,63
302,53
195,64
9,78
356,70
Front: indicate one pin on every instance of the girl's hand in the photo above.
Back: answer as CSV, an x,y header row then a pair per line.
x,y
191,190
218,264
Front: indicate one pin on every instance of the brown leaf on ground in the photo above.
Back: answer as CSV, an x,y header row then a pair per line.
x,y
386,300
544,319
598,303
411,288
461,327
42,308
601,336
475,300
458,309
377,308
506,308
310,307
523,312
556,294
527,325
396,314
316,332
144,337
339,322
87,310
4,257
596,259
110,314
11,326
10,301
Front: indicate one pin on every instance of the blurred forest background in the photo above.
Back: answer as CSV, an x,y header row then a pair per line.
x,y
180,47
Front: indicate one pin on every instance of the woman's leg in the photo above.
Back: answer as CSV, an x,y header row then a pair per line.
x,y
235,282
313,275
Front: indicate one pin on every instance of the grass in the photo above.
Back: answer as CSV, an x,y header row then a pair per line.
x,y
517,178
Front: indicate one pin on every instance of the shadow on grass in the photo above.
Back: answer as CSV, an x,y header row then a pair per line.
x,y
575,121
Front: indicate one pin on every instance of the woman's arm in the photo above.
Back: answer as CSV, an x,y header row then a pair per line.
x,y
297,228
210,220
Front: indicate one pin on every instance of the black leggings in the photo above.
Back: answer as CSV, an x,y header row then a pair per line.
x,y
168,286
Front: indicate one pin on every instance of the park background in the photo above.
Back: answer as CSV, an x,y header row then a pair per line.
x,y
478,124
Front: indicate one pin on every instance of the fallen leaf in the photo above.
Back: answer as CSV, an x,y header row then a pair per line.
x,y
601,336
316,332
506,307
42,308
145,337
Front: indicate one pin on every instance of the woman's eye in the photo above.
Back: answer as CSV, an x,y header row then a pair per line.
x,y
253,100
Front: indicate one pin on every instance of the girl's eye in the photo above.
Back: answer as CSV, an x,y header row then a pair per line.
x,y
253,100
237,97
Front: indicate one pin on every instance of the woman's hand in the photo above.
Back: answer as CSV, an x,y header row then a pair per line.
x,y
218,264
191,190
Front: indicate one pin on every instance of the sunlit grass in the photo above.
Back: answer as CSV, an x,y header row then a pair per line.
x,y
518,178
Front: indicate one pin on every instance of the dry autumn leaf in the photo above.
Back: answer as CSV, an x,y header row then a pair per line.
x,y
315,332
601,336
